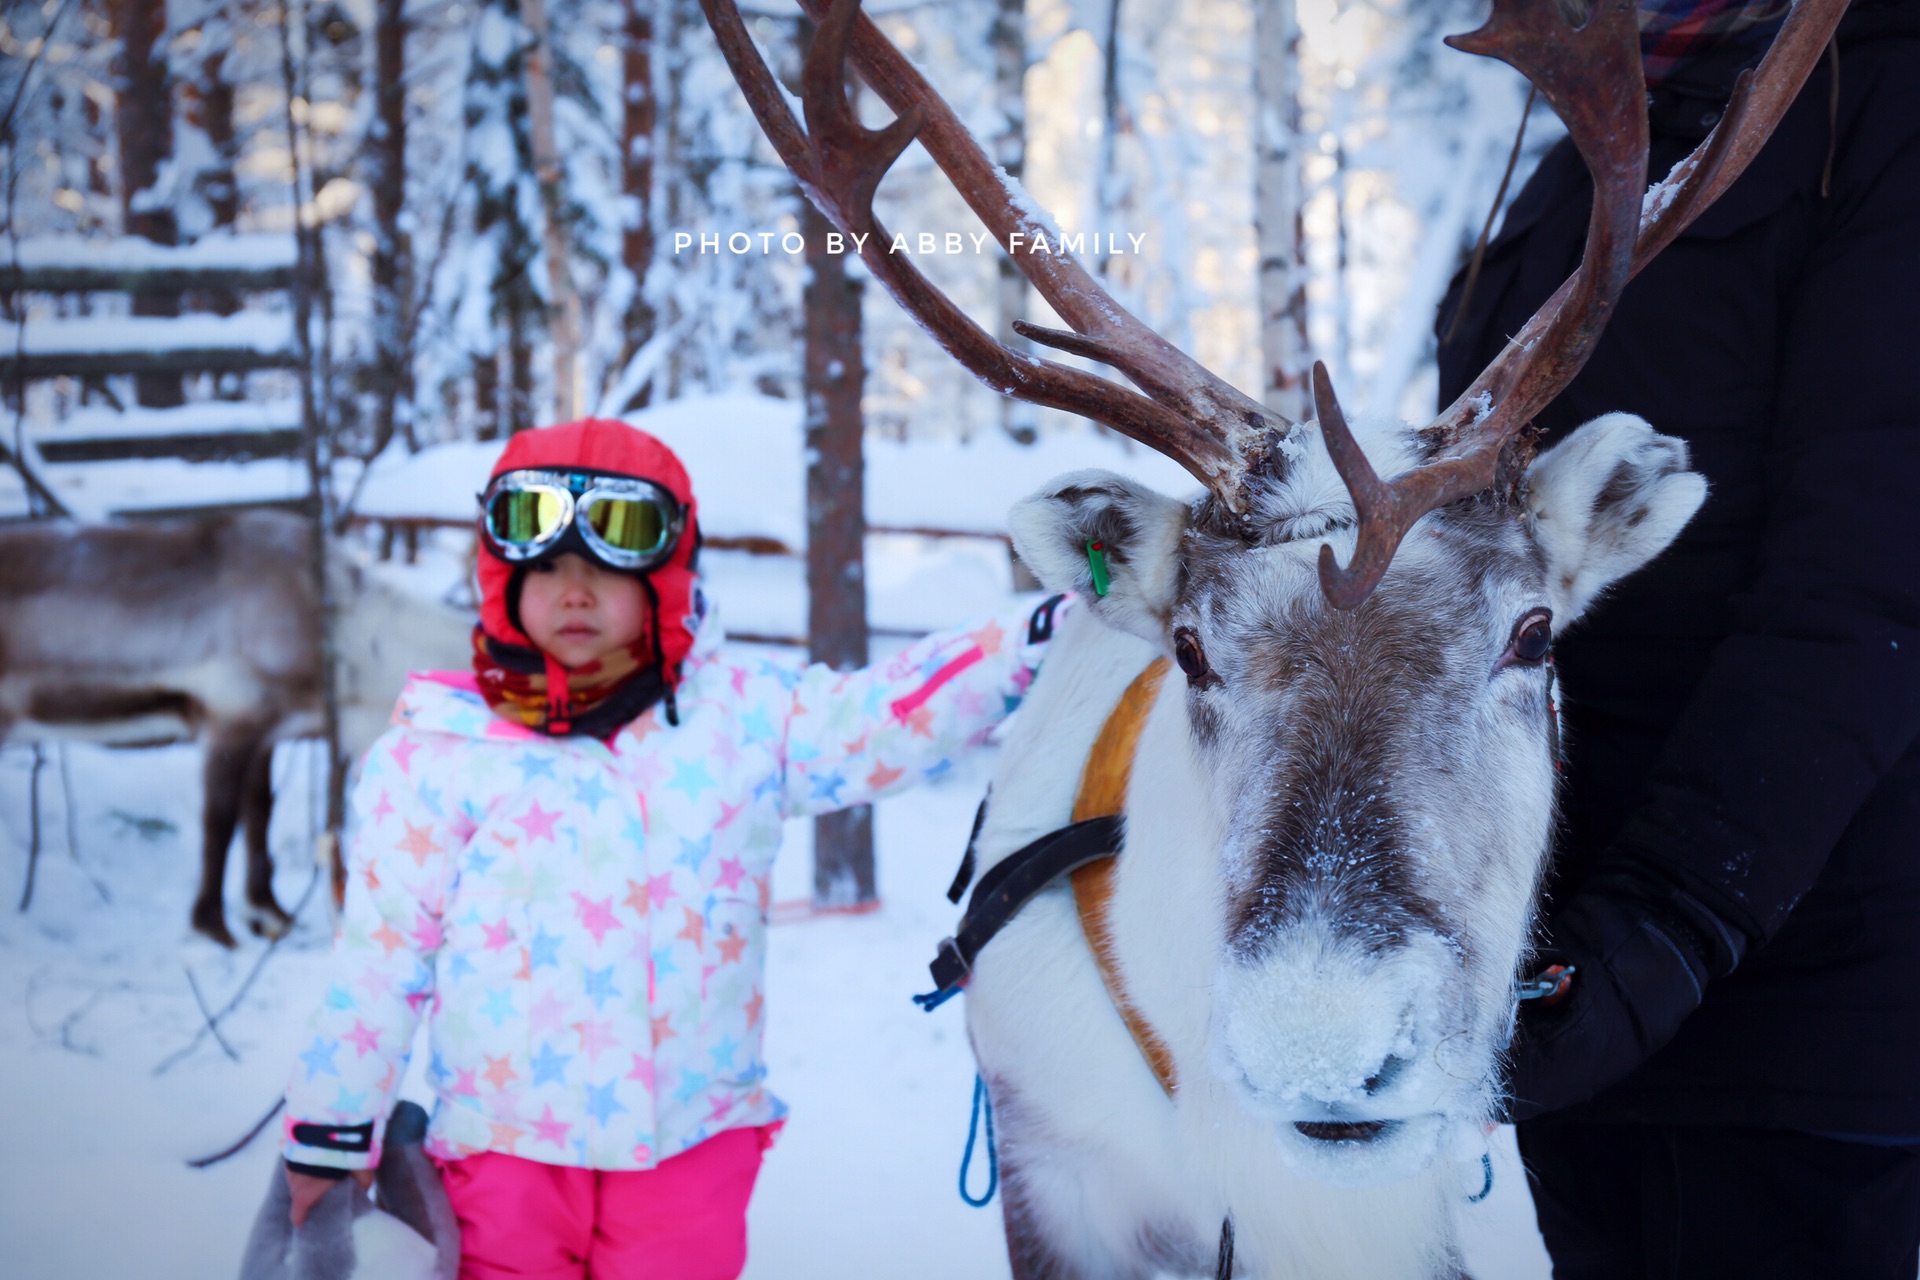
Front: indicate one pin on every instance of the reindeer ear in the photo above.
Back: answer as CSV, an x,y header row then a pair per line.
x,y
1605,501
1139,534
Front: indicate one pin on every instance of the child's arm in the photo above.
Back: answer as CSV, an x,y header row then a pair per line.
x,y
356,1046
855,736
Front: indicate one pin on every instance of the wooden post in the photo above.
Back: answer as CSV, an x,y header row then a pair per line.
x,y
392,265
639,114
843,867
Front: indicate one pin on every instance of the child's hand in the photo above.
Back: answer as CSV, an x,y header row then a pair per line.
x,y
307,1190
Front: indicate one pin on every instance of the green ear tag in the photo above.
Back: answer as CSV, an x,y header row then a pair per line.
x,y
1097,561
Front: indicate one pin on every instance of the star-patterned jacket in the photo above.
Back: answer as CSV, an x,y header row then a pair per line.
x,y
583,923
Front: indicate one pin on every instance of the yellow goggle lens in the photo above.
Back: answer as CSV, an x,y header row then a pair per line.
x,y
628,524
521,516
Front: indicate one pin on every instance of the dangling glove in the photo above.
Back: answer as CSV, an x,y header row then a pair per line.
x,y
1641,958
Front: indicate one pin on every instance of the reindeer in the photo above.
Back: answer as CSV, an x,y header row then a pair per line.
x,y
1240,1046
207,629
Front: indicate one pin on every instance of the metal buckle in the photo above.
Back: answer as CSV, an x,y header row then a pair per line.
x,y
950,973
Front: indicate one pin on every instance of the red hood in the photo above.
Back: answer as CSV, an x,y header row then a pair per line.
x,y
597,444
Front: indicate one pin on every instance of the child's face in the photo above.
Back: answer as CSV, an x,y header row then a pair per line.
x,y
577,611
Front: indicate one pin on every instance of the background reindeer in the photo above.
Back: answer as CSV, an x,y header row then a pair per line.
x,y
207,629
1342,803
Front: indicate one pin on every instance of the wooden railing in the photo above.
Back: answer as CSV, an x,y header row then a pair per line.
x,y
97,347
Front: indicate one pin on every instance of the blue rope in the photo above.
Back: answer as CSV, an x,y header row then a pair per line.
x,y
981,1102
1486,1188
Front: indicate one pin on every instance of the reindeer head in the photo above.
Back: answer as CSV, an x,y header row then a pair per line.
x,y
1365,756
1372,788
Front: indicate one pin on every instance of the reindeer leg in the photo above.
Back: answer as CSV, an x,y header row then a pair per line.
x,y
230,750
1029,1255
265,917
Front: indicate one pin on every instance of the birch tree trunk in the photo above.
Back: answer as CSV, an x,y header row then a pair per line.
x,y
1008,37
563,320
1278,197
843,870
144,121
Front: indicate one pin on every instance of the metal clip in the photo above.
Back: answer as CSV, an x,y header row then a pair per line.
x,y
1550,985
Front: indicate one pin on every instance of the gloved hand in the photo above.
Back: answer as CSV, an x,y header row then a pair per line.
x,y
1642,958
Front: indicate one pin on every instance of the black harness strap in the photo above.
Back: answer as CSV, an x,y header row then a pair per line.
x,y
964,876
1009,885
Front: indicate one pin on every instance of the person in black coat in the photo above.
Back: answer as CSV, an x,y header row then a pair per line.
x,y
1732,1085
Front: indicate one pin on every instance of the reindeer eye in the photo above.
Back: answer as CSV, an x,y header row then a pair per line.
x,y
1532,637
1191,657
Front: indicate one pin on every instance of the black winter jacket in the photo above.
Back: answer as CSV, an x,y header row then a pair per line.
x,y
1744,714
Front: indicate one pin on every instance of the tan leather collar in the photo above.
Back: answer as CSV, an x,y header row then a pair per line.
x,y
1103,792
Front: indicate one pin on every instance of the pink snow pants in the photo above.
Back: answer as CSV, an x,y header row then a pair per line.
x,y
686,1219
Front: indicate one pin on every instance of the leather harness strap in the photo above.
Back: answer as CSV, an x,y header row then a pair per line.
x,y
1087,851
1103,793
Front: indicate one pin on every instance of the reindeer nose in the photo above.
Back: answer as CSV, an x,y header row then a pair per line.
x,y
1390,1070
1358,1130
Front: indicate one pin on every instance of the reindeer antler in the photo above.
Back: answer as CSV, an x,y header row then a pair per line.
x,y
1593,78
1186,412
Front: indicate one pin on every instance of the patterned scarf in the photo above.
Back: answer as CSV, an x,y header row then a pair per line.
x,y
1673,32
530,687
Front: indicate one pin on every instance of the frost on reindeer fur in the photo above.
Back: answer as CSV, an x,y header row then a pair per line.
x,y
1334,985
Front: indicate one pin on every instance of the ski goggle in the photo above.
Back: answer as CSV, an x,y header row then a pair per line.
x,y
626,524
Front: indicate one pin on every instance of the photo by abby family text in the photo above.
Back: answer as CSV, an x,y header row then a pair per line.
x,y
922,243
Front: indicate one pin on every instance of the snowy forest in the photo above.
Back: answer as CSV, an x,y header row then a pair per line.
x,y
496,214
326,255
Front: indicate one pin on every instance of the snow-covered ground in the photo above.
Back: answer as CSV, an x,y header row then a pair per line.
x,y
111,1088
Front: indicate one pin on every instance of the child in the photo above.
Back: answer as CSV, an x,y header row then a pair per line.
x,y
562,861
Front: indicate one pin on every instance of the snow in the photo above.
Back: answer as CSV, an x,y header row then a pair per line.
x,y
861,1184
128,253
441,482
208,418
120,1089
94,490
103,335
743,453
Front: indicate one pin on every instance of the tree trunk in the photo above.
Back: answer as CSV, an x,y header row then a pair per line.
x,y
1008,36
497,84
1278,198
209,108
144,120
843,870
563,317
486,397
639,113
522,303
392,265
